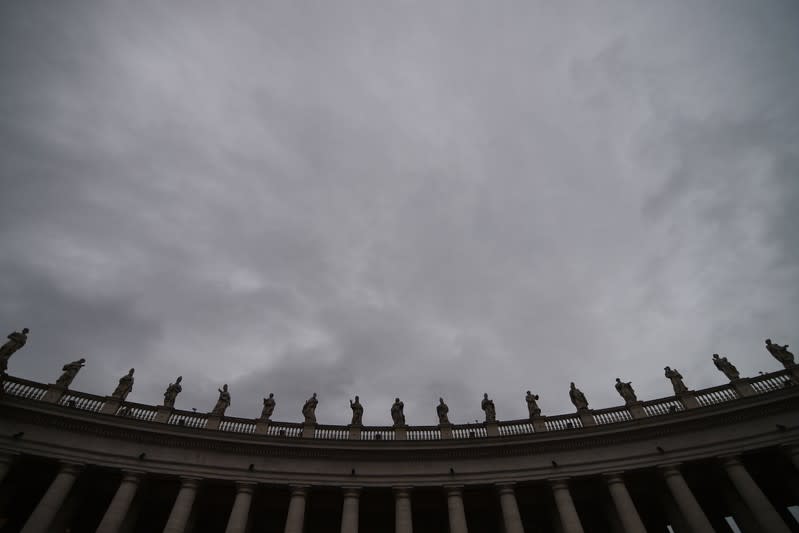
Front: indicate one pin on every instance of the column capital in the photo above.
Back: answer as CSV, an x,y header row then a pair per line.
x,y
559,483
453,490
613,477
351,491
190,482
506,487
670,469
402,491
299,490
730,460
246,486
71,468
132,476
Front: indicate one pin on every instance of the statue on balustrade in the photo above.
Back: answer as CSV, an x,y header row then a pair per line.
x,y
443,412
397,413
577,397
70,371
124,387
357,411
222,403
780,353
172,392
725,366
269,407
532,405
16,340
488,406
625,389
309,409
676,380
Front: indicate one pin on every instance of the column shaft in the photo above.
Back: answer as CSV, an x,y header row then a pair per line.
x,y
764,512
510,509
237,523
685,500
403,518
625,508
457,514
120,504
296,514
181,509
569,519
349,511
5,462
48,506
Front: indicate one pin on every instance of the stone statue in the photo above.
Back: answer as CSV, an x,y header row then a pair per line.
x,y
442,411
309,409
70,371
532,406
397,414
725,366
676,380
625,389
124,387
357,411
222,403
269,407
172,392
488,406
577,397
16,340
780,353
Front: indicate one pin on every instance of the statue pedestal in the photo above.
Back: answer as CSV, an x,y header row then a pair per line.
x,y
401,432
308,430
54,393
162,414
355,432
586,417
446,431
492,429
261,426
636,409
742,387
539,423
213,422
111,406
688,400
794,373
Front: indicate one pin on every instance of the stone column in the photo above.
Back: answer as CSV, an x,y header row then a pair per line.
x,y
401,432
569,519
688,400
510,509
743,387
764,512
625,508
457,514
492,429
5,464
296,515
446,431
355,432
349,510
118,509
237,522
181,509
685,500
39,521
162,414
403,521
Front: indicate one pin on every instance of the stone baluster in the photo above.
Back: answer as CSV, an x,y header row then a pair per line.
x,y
120,504
455,510
686,502
510,508
569,519
349,510
5,464
296,514
764,512
403,521
237,522
625,508
181,509
39,521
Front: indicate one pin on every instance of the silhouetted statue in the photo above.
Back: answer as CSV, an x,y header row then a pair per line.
x,y
124,387
397,413
532,405
577,397
443,411
70,371
357,411
676,380
309,409
488,406
625,389
780,353
172,392
725,366
222,403
269,407
16,340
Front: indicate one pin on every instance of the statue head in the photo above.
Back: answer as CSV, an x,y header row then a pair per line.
x,y
529,393
81,360
485,395
667,369
180,378
357,398
715,356
396,400
441,400
25,331
314,395
768,342
618,380
130,372
572,385
271,395
224,387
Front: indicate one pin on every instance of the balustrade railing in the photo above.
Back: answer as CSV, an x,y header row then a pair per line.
x,y
515,427
22,388
138,411
771,382
663,406
187,419
612,415
469,431
237,425
331,432
82,400
377,433
284,429
424,433
714,395
561,422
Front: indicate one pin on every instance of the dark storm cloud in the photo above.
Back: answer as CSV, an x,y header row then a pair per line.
x,y
398,200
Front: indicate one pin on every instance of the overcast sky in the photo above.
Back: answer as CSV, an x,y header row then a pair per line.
x,y
414,199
